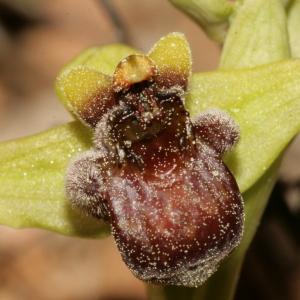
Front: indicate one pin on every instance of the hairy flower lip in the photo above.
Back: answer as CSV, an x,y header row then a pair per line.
x,y
149,273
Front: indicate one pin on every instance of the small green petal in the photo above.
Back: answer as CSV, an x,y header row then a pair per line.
x,y
85,86
172,56
85,92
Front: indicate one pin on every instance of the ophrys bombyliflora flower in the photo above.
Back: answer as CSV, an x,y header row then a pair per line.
x,y
154,174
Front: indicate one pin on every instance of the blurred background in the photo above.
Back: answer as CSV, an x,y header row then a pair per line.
x,y
36,39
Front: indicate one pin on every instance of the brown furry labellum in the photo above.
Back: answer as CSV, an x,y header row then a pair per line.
x,y
158,178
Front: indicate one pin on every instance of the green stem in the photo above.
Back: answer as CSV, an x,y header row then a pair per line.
x,y
293,27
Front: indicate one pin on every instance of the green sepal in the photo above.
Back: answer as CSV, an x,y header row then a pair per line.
x,y
264,101
32,171
257,35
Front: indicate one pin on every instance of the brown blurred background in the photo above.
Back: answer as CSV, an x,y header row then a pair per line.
x,y
36,39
